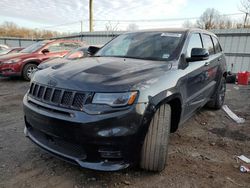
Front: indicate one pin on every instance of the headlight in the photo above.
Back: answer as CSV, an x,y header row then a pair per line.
x,y
12,61
115,99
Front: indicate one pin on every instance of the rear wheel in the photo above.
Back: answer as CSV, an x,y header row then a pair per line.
x,y
219,97
154,149
28,70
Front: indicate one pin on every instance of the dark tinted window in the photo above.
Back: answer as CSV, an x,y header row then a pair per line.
x,y
217,46
208,44
194,42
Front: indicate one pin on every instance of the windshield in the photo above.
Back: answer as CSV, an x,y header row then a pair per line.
x,y
5,51
34,47
143,45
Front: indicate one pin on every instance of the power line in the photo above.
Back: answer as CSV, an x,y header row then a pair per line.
x,y
131,21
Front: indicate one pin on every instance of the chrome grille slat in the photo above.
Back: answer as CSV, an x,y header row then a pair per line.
x,y
56,96
48,93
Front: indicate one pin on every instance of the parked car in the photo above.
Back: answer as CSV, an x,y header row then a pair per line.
x,y
11,50
3,47
23,63
117,108
76,54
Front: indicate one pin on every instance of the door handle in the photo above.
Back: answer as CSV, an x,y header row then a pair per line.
x,y
207,63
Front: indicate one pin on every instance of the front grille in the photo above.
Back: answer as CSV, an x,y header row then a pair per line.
x,y
59,97
66,100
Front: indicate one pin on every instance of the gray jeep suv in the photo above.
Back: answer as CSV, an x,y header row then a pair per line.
x,y
118,107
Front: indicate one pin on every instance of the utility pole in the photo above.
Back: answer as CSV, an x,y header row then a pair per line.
x,y
90,15
245,21
81,30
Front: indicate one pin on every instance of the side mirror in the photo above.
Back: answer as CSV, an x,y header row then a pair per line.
x,y
198,54
92,50
45,51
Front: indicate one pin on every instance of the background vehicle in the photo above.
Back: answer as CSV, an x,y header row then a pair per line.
x,y
73,55
3,48
26,61
117,108
11,50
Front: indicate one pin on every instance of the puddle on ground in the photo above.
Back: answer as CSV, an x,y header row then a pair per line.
x,y
235,135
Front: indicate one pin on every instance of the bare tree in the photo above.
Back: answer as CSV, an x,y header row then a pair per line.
x,y
188,24
245,8
225,23
209,19
132,27
111,27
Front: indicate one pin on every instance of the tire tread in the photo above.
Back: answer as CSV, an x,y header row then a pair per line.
x,y
154,150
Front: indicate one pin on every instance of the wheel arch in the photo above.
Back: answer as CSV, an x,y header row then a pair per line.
x,y
31,61
175,102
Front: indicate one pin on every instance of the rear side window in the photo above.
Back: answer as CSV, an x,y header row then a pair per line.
x,y
194,42
217,46
208,44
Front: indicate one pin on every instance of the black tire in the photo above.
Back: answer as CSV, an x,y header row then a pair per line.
x,y
219,97
26,71
155,146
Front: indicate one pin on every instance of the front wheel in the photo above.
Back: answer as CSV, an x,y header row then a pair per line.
x,y
28,70
155,146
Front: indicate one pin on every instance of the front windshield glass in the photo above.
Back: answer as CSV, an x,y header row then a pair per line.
x,y
34,47
5,51
143,45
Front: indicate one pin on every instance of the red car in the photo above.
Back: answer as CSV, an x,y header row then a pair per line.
x,y
11,50
26,61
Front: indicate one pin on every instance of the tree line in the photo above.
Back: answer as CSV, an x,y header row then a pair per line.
x,y
212,19
10,29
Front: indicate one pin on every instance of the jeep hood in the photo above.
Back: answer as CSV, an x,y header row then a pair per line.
x,y
103,74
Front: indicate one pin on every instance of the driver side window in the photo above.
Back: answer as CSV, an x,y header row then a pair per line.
x,y
194,42
55,47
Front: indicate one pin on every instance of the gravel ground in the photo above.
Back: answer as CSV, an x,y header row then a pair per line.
x,y
201,154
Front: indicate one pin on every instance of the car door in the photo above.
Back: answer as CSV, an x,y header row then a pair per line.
x,y
196,78
211,66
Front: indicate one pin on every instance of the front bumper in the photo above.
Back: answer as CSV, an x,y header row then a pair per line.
x,y
7,70
106,142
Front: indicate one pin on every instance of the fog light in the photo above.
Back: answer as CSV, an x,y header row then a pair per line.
x,y
118,131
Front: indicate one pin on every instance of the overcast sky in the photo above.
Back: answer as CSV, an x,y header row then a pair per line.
x,y
48,14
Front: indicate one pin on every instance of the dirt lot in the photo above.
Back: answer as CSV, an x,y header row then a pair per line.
x,y
201,154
